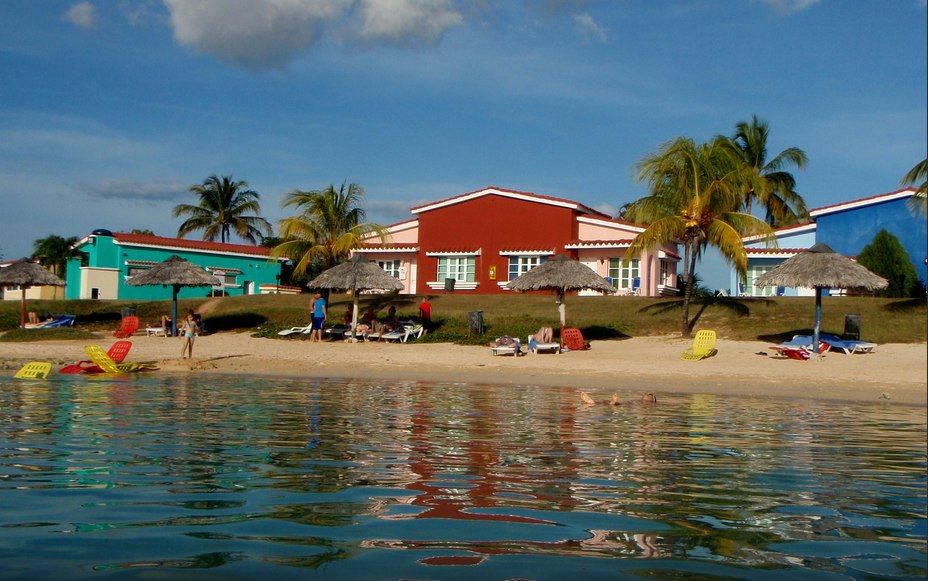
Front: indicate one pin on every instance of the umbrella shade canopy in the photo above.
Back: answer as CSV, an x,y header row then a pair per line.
x,y
356,274
176,273
560,274
25,273
820,266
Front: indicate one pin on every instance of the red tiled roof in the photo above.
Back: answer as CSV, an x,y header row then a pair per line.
x,y
126,238
580,206
622,241
875,199
455,249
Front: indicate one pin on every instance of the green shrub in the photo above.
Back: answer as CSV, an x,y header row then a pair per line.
x,y
886,257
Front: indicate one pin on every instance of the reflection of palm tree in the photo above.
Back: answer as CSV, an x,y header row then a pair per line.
x,y
225,206
919,202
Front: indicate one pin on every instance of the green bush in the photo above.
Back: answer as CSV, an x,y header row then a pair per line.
x,y
886,257
54,334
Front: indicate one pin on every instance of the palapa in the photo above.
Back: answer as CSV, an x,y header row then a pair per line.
x,y
821,267
176,273
561,274
356,274
24,274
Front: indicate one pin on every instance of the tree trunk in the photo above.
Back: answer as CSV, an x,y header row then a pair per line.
x,y
689,266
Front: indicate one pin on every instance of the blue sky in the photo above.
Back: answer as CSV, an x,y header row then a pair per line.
x,y
110,109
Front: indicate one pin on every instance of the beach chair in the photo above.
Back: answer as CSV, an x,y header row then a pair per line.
x,y
536,347
296,330
402,335
99,356
636,286
117,352
337,331
34,370
703,346
799,348
849,346
57,321
507,345
127,326
573,339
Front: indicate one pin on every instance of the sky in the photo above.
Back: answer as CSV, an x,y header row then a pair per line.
x,y
111,109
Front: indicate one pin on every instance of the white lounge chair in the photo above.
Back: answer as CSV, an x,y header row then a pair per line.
x,y
295,330
515,349
403,335
536,347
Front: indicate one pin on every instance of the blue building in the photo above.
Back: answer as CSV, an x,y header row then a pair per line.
x,y
847,228
109,260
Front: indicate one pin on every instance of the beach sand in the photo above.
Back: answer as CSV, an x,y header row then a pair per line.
x,y
894,372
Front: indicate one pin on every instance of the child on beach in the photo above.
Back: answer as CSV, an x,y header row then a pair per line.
x,y
189,331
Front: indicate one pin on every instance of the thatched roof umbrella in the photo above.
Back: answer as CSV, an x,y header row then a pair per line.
x,y
561,274
25,273
356,274
821,267
176,273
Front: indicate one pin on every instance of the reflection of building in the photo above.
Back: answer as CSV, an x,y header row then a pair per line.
x,y
111,259
847,228
482,240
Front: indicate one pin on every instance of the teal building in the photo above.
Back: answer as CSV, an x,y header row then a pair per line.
x,y
109,260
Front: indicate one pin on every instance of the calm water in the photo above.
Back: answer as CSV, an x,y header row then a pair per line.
x,y
171,477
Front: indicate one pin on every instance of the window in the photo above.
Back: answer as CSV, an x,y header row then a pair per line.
x,y
229,278
391,267
665,272
623,272
135,270
519,265
754,272
460,268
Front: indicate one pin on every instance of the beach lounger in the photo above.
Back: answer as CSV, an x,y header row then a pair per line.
x,y
799,348
849,346
117,352
99,356
129,325
296,330
58,321
403,335
157,331
34,370
703,346
536,347
573,339
337,331
514,348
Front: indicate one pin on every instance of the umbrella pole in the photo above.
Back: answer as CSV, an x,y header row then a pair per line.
x,y
174,310
561,312
818,320
22,311
354,316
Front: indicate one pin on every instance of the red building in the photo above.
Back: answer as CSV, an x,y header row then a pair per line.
x,y
483,239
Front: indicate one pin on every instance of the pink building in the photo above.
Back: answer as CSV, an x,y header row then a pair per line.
x,y
483,239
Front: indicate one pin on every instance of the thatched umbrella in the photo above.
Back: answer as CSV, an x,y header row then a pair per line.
x,y
356,274
561,274
176,273
25,273
821,267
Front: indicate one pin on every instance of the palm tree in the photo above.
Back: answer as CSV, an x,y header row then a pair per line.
x,y
224,207
329,224
697,194
919,202
53,252
777,192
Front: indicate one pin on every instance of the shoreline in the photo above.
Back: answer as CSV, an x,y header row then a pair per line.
x,y
894,373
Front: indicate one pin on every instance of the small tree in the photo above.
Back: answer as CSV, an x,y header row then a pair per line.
x,y
886,257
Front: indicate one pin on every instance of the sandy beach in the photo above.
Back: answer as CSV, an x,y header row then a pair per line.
x,y
894,372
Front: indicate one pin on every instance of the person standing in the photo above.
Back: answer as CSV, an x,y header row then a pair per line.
x,y
189,331
318,310
425,313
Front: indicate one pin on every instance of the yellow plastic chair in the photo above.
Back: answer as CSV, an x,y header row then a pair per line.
x,y
703,346
34,370
106,363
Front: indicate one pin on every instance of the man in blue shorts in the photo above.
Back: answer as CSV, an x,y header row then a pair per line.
x,y
318,310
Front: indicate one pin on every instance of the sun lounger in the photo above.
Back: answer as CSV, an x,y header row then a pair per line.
x,y
849,346
117,352
34,370
514,348
100,357
573,339
337,331
703,346
536,347
296,330
799,348
403,335
157,331
58,321
128,326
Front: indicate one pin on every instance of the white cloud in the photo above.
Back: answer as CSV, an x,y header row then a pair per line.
x,y
791,6
252,33
82,15
407,21
589,28
141,12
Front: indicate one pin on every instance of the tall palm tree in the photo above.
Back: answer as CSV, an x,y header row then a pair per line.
x,y
53,253
777,190
919,202
225,206
329,224
696,196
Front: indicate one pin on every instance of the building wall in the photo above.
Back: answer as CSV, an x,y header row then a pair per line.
x,y
847,232
792,240
494,223
407,271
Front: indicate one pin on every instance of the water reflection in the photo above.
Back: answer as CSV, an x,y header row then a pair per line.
x,y
250,475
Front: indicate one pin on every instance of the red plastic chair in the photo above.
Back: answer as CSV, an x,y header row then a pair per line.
x,y
573,339
117,353
128,326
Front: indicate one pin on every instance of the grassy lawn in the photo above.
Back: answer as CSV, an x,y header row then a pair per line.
x,y
882,320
